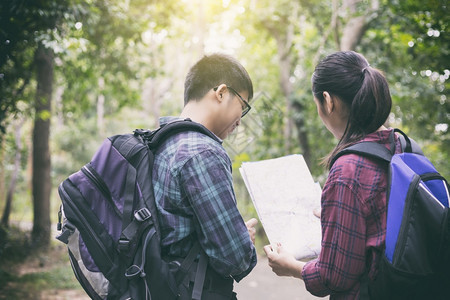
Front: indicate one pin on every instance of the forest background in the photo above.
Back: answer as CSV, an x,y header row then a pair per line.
x,y
73,72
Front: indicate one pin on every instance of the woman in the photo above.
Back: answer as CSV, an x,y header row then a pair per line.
x,y
353,101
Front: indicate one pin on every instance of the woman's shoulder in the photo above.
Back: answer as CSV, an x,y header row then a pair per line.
x,y
360,168
381,136
350,167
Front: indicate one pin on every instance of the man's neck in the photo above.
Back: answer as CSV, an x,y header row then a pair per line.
x,y
196,112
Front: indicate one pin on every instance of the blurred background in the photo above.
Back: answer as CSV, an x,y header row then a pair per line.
x,y
73,72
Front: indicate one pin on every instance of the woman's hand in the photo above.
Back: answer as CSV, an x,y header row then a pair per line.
x,y
282,262
251,228
317,212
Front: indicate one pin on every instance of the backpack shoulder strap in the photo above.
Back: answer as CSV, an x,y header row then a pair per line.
x,y
408,144
153,139
132,220
378,151
156,137
368,149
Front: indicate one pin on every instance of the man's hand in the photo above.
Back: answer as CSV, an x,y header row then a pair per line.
x,y
251,228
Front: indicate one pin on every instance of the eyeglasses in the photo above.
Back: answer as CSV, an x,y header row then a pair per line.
x,y
247,107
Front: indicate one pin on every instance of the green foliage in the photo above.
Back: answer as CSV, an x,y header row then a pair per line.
x,y
116,50
24,24
410,43
61,277
14,246
428,24
73,146
25,274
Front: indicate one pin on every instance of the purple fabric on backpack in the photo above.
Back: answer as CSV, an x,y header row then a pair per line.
x,y
438,188
421,165
402,175
86,257
109,161
418,163
102,209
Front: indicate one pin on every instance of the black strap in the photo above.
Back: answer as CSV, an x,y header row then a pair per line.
x,y
364,286
130,186
378,151
129,233
369,149
153,140
200,273
138,269
408,144
126,147
200,277
174,127
187,263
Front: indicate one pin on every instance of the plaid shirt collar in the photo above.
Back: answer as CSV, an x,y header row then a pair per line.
x,y
168,119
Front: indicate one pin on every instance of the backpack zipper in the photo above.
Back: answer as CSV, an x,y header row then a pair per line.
x,y
435,176
431,176
91,174
86,225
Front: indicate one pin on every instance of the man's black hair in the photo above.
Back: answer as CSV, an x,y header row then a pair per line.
x,y
213,70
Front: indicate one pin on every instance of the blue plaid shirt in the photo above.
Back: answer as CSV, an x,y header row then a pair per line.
x,y
195,200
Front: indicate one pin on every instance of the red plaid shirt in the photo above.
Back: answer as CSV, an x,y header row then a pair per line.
x,y
353,224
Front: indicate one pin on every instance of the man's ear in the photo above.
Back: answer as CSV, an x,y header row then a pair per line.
x,y
329,103
220,92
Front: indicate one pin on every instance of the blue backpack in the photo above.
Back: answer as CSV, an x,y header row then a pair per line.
x,y
108,219
416,259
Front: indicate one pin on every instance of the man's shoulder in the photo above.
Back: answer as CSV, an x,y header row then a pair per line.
x,y
183,146
191,137
196,141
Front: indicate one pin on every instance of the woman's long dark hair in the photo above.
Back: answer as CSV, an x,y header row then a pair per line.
x,y
363,89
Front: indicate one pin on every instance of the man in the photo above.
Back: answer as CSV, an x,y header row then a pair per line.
x,y
192,177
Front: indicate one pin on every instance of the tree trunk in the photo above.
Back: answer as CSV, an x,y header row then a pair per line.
x,y
302,134
2,169
101,108
285,62
285,65
15,174
357,24
353,32
41,150
284,36
335,22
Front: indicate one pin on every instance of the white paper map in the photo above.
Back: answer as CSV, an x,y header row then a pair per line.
x,y
285,195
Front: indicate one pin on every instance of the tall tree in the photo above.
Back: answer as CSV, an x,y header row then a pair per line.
x,y
28,31
357,16
13,182
283,21
42,183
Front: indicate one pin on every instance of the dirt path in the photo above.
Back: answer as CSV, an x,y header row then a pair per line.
x,y
261,284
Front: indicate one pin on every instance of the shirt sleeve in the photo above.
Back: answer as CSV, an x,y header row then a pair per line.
x,y
207,183
342,258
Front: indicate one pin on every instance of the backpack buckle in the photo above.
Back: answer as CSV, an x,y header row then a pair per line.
x,y
142,214
123,245
67,230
